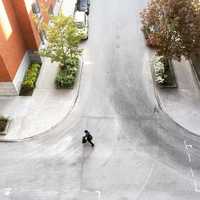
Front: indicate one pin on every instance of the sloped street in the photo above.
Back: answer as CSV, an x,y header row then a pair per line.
x,y
139,153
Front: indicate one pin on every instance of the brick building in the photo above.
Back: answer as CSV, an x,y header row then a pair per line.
x,y
19,38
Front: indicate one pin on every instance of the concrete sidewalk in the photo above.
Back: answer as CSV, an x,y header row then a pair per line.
x,y
182,104
36,114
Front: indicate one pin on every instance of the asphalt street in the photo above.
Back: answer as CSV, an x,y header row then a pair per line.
x,y
139,154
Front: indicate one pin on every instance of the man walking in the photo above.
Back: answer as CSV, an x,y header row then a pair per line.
x,y
87,138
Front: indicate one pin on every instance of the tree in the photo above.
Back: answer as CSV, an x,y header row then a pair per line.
x,y
63,40
173,26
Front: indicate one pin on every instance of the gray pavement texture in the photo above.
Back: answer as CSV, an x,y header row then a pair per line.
x,y
183,103
34,115
140,153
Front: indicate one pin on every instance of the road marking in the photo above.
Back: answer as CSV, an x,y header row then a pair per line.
x,y
7,191
187,150
92,191
192,173
146,181
187,146
196,187
99,194
189,158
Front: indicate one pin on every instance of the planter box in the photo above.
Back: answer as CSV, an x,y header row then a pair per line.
x,y
171,78
6,128
66,78
195,63
26,92
31,76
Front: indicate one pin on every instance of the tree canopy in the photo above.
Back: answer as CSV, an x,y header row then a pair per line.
x,y
174,25
63,39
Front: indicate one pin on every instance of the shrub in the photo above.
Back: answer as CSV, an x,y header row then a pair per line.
x,y
3,123
66,76
74,61
30,79
159,70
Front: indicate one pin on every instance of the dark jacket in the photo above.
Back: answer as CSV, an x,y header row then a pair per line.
x,y
89,136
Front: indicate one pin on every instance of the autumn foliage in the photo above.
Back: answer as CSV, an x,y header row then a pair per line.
x,y
172,27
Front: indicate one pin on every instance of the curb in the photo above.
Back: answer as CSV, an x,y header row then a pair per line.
x,y
167,114
195,73
149,78
162,108
66,116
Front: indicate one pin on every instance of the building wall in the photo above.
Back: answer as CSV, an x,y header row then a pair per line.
x,y
18,34
12,48
4,75
24,16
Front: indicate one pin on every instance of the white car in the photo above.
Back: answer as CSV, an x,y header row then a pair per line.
x,y
81,20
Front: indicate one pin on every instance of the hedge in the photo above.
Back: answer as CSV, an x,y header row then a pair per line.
x,y
30,79
66,76
163,72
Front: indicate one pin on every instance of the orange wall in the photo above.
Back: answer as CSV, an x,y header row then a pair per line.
x,y
12,48
24,15
18,34
4,75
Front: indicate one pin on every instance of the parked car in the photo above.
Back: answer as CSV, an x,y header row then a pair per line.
x,y
83,5
81,20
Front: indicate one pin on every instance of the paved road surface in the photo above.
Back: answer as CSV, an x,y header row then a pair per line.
x,y
140,153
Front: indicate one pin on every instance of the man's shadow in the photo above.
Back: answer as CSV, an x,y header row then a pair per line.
x,y
87,150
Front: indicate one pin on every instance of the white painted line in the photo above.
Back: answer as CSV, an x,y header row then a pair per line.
x,y
146,182
192,173
7,191
99,194
187,146
92,191
189,157
196,187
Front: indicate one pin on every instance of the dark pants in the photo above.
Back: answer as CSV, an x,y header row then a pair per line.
x,y
90,141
